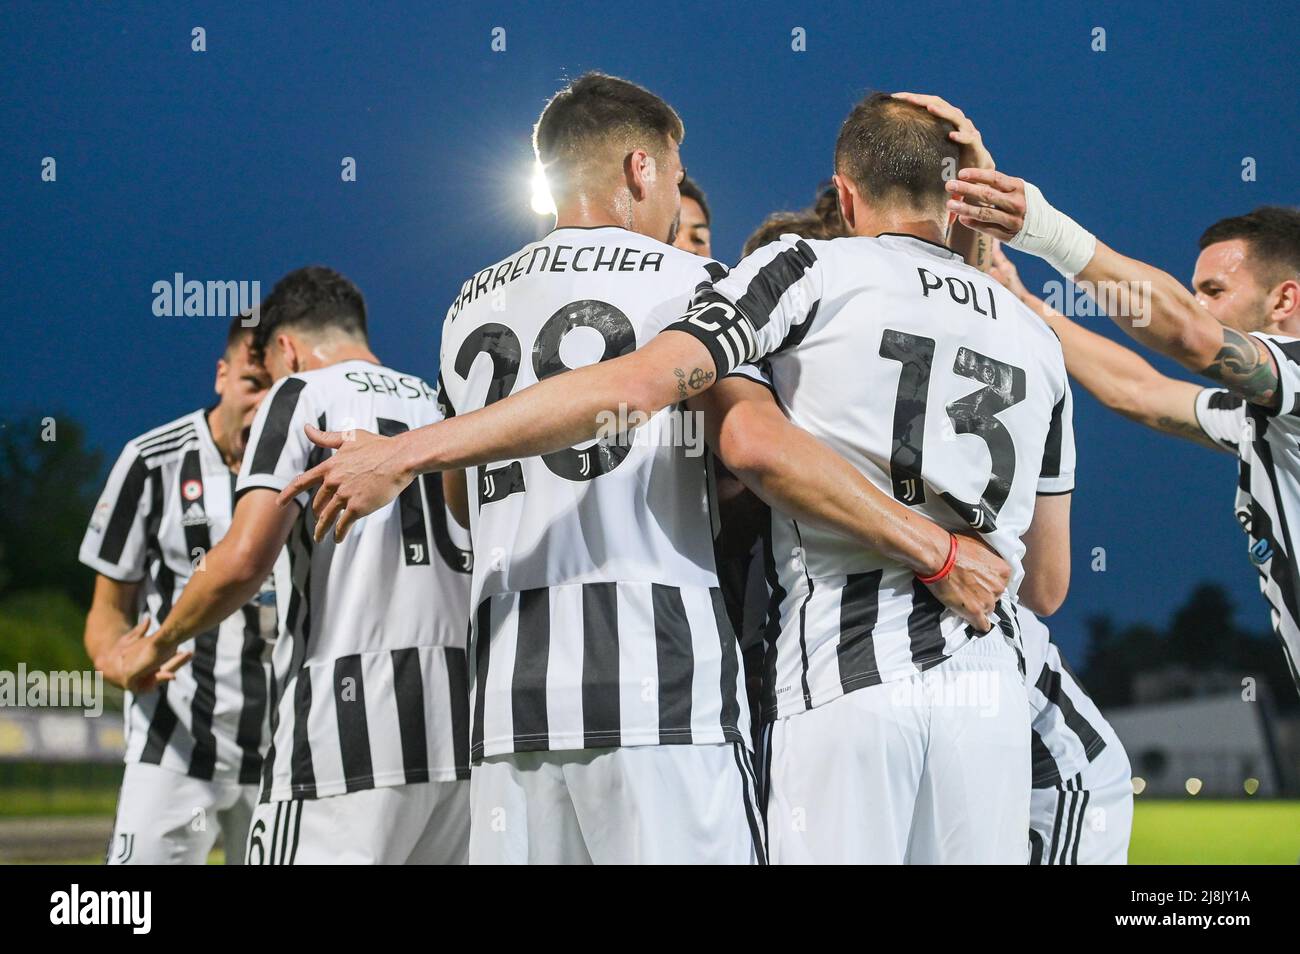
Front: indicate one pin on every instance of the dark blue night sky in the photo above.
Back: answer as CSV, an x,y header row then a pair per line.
x,y
226,165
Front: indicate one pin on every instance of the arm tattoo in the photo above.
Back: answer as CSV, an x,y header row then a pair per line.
x,y
1244,367
698,380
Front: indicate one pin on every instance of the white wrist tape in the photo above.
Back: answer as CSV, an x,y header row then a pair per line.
x,y
1053,236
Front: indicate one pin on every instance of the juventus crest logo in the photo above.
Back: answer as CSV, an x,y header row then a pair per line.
x,y
125,849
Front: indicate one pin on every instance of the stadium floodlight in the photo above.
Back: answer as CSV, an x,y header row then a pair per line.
x,y
541,200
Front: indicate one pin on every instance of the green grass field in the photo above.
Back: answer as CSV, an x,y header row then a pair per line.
x,y
1215,833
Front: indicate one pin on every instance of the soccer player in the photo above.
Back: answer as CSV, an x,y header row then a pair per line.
x,y
1238,329
694,222
370,749
1081,806
978,440
194,741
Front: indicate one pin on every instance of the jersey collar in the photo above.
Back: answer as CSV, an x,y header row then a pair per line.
x,y
206,440
923,245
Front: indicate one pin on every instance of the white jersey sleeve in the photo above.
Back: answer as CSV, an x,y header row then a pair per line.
x,y
765,304
1221,415
115,540
1286,352
278,447
1056,475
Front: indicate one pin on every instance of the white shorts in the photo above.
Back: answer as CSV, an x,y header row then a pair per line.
x,y
1086,820
933,769
421,823
166,818
649,804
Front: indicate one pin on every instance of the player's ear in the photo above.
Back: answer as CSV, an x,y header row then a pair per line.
x,y
1285,302
223,372
639,172
289,352
845,193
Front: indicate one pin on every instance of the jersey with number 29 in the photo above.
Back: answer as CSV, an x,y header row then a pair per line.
x,y
598,620
932,380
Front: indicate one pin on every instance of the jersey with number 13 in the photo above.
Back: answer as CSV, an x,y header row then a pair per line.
x,y
932,380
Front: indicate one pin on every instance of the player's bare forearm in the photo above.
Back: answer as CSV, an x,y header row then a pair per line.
x,y
367,471
1125,382
813,484
1154,308
232,572
797,474
794,472
1150,305
112,615
564,410
1115,375
219,587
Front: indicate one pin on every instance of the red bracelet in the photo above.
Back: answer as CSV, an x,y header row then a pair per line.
x,y
948,564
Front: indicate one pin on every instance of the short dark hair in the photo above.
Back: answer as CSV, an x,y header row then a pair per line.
x,y
1272,233
690,189
896,152
593,109
238,332
314,298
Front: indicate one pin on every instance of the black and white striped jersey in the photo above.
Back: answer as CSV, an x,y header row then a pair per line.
x,y
932,380
1068,732
369,675
168,501
1267,445
598,620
